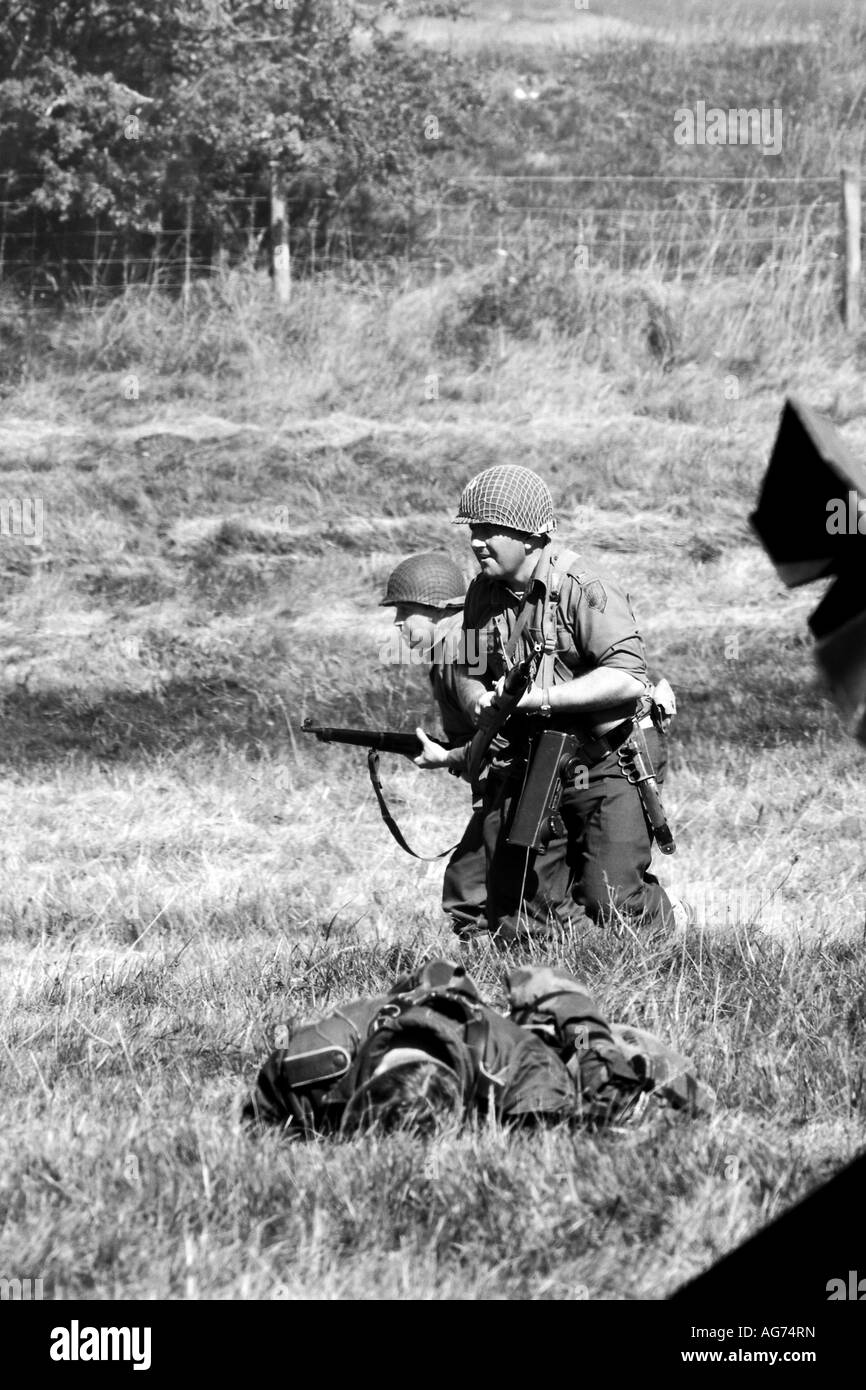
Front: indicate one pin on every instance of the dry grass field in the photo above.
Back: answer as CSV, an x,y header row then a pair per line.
x,y
225,487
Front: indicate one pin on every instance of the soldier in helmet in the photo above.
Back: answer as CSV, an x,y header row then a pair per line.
x,y
592,681
427,593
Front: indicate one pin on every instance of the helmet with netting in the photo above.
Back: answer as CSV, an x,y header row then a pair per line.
x,y
432,579
508,495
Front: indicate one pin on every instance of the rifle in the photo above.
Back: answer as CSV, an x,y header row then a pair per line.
x,y
378,741
515,686
383,740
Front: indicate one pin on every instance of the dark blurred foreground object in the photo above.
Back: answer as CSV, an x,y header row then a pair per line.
x,y
811,518
816,1252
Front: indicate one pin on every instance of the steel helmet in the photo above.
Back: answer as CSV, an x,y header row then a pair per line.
x,y
508,495
431,578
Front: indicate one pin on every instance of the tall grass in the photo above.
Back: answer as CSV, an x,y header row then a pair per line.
x,y
184,869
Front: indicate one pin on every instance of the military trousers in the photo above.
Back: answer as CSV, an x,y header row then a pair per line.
x,y
464,887
600,869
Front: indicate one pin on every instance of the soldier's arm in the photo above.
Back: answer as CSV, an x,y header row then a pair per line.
x,y
601,689
603,628
448,691
433,755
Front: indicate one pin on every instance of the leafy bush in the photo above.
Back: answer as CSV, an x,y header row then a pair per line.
x,y
181,100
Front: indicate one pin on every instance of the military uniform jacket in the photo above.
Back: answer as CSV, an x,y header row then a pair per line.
x,y
591,621
448,692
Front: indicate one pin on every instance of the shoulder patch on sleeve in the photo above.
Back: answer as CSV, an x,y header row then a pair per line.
x,y
595,594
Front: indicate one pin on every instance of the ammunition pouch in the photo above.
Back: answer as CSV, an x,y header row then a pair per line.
x,y
664,706
317,1067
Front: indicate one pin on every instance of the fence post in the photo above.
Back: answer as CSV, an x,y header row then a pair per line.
x,y
187,255
279,238
501,257
155,266
94,267
851,232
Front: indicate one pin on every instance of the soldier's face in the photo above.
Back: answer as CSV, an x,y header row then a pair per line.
x,y
416,623
500,551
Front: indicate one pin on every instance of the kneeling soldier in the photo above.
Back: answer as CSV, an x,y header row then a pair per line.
x,y
534,595
427,592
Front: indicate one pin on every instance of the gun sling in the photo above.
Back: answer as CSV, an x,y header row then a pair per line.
x,y
376,781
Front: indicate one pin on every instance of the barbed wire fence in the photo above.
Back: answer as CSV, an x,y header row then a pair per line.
x,y
675,225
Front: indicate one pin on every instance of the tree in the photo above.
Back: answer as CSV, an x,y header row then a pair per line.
x,y
116,111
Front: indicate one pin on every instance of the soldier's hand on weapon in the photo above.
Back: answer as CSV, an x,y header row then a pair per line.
x,y
487,705
432,754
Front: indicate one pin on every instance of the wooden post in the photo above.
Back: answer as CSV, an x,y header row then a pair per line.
x,y
251,231
313,233
279,238
437,265
851,230
187,255
156,254
501,257
94,267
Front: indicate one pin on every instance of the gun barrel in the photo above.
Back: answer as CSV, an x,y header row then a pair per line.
x,y
384,740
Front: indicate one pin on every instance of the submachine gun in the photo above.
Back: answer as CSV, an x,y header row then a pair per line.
x,y
558,758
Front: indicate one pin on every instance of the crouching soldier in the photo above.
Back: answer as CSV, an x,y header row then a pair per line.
x,y
427,593
431,1051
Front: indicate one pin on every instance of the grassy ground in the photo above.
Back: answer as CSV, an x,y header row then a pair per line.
x,y
224,492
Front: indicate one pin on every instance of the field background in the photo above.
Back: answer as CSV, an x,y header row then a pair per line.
x,y
226,486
